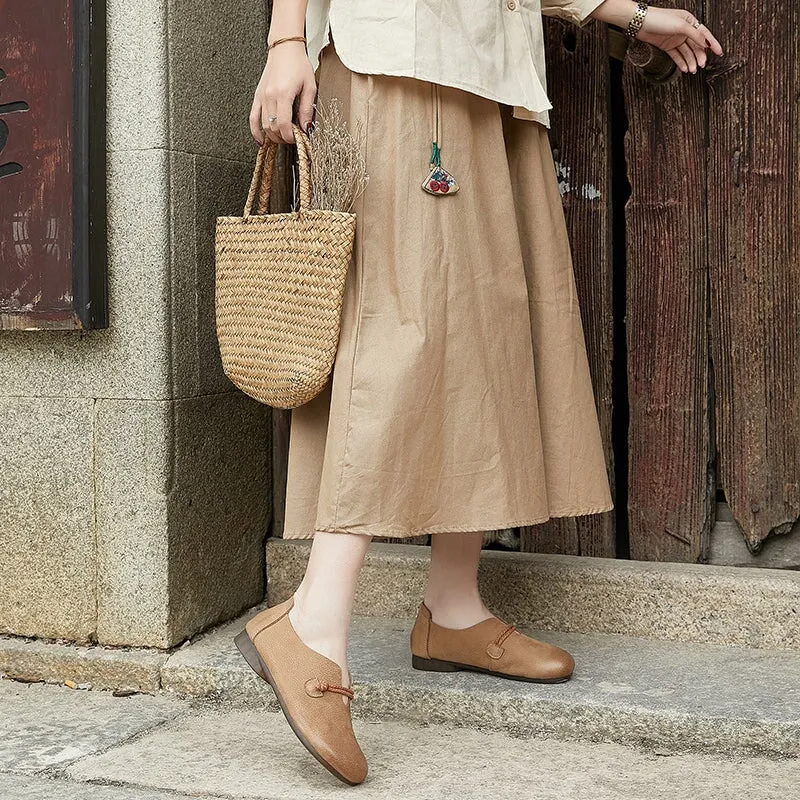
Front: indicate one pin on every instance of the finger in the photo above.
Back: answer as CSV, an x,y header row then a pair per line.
x,y
255,122
284,124
268,122
699,53
688,55
678,59
704,38
712,42
305,113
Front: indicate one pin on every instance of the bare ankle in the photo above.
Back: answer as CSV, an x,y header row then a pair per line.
x,y
456,609
322,635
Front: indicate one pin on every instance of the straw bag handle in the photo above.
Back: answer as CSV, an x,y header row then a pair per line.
x,y
265,168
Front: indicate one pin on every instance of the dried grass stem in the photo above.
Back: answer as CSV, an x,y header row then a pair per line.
x,y
338,167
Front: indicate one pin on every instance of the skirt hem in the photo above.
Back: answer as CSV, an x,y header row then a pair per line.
x,y
407,534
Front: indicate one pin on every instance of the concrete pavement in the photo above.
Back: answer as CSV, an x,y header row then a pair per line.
x,y
66,744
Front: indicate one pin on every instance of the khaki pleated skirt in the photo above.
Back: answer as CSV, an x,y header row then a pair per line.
x,y
460,398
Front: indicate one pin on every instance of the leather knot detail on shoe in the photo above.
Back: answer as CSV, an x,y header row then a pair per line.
x,y
495,648
494,651
317,688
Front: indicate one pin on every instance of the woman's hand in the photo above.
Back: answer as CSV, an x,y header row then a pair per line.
x,y
287,75
672,30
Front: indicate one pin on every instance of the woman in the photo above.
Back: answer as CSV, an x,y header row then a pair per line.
x,y
460,399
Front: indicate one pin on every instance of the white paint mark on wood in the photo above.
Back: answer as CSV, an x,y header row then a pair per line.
x,y
590,191
562,173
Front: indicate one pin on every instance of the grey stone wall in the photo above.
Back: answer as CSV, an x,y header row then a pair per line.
x,y
134,478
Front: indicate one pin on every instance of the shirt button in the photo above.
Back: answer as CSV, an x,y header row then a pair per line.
x,y
511,5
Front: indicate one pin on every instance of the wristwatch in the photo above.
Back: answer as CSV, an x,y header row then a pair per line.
x,y
635,25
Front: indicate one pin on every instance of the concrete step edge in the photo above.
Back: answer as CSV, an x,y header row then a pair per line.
x,y
755,608
661,696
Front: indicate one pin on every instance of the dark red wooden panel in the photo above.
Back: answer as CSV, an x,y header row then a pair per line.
x,y
754,261
670,491
36,180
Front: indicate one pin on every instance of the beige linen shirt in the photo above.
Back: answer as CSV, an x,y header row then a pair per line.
x,y
492,48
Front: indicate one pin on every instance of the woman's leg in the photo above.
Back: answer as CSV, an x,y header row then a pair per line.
x,y
323,603
452,593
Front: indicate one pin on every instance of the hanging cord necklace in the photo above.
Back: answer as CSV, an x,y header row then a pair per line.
x,y
439,181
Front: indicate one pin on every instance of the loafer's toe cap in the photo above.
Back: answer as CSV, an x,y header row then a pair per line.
x,y
556,664
540,661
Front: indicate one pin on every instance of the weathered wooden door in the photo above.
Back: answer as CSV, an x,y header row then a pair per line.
x,y
710,271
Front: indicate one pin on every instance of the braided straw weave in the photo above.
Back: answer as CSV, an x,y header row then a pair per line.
x,y
279,287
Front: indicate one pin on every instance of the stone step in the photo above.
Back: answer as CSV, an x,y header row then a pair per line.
x,y
663,696
754,608
59,744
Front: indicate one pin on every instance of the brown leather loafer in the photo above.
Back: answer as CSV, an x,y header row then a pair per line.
x,y
490,646
308,688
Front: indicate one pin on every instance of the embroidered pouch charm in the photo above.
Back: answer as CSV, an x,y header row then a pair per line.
x,y
440,181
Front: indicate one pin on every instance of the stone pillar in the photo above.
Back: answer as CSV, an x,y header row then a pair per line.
x,y
134,478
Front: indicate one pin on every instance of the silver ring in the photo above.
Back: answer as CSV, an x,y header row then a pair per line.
x,y
696,24
272,119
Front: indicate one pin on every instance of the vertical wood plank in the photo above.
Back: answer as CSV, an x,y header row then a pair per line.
x,y
280,199
578,86
670,494
281,424
754,261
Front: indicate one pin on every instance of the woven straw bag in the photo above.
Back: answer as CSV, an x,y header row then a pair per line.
x,y
279,287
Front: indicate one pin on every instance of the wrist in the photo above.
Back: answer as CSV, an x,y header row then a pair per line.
x,y
277,35
286,42
616,12
288,19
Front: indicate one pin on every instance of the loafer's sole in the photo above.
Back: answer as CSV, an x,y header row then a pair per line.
x,y
436,665
248,650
